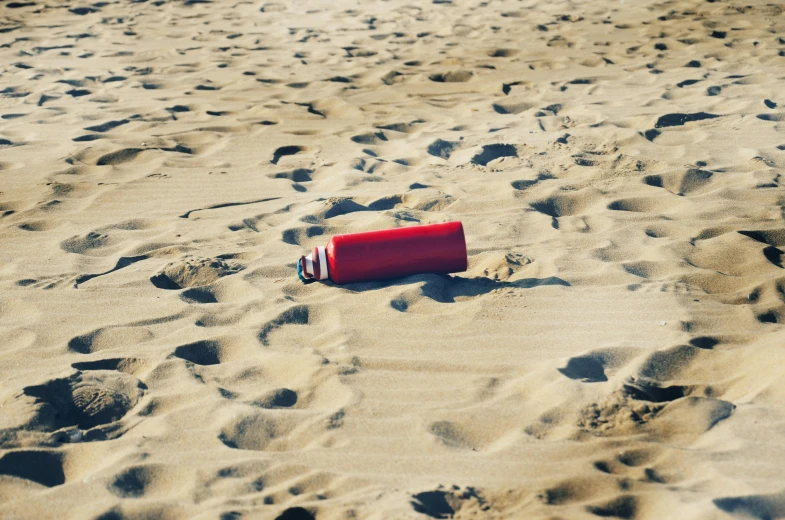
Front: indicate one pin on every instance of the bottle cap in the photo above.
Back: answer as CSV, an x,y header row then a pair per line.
x,y
313,267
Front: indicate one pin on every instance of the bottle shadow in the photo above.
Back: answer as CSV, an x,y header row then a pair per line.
x,y
446,288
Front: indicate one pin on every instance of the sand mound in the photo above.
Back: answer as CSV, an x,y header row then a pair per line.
x,y
193,272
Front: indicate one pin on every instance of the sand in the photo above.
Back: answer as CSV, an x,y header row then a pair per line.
x,y
614,350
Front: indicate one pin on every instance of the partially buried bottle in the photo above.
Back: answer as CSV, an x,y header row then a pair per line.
x,y
389,253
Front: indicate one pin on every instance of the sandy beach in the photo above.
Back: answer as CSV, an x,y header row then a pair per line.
x,y
615,349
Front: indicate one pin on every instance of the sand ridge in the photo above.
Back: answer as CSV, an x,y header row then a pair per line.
x,y
614,349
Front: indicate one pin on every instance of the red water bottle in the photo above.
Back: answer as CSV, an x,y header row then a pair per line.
x,y
389,253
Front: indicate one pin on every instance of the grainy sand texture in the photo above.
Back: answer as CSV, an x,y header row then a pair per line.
x,y
616,348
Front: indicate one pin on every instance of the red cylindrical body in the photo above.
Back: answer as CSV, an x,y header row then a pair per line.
x,y
395,253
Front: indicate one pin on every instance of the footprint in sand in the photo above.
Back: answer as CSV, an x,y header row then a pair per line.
x,y
87,138
150,481
109,125
274,430
48,282
453,76
108,338
597,365
566,204
296,513
496,265
199,295
588,369
370,138
491,152
296,175
278,398
85,400
119,157
89,244
299,236
443,149
503,53
466,435
624,506
704,342
42,467
510,108
753,506
445,502
284,151
126,365
281,484
577,490
296,315
205,352
646,405
643,204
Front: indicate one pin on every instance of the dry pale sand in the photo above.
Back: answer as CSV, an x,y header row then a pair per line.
x,y
615,349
